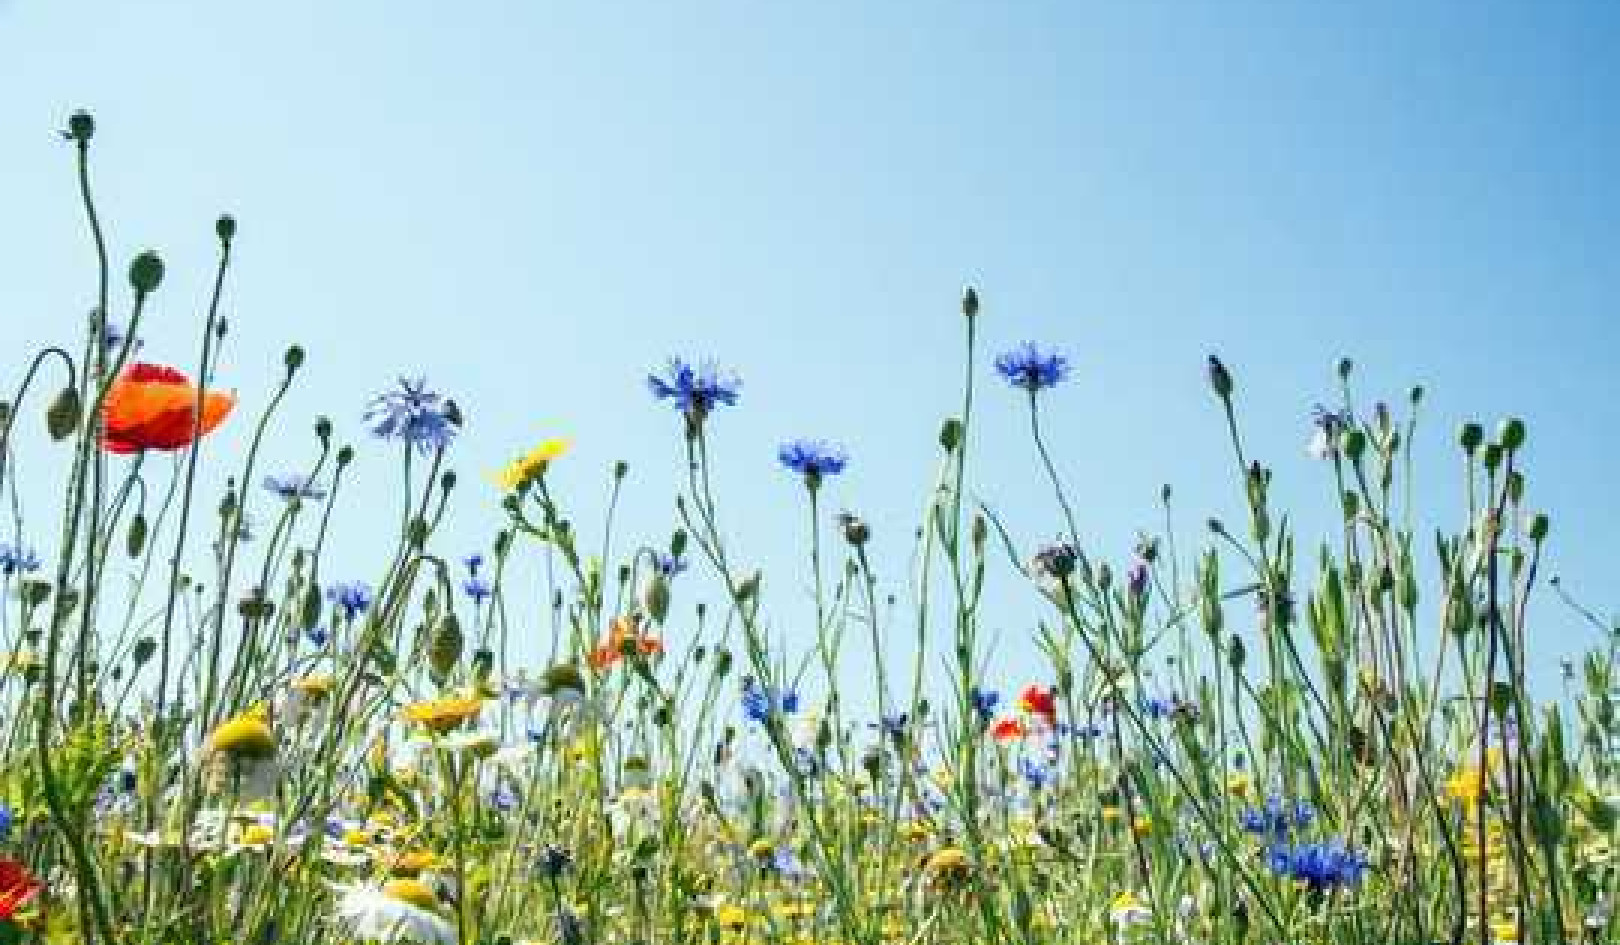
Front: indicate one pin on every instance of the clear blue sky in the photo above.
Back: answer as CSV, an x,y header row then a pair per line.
x,y
535,202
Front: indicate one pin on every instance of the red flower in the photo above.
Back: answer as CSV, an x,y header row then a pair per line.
x,y
17,887
152,407
1008,729
1041,703
624,639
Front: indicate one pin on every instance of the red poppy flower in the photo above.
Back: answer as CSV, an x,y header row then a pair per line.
x,y
1041,703
623,640
18,887
152,407
1008,729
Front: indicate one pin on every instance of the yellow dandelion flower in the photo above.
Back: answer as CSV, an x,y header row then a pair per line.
x,y
243,737
316,687
732,918
442,715
947,866
531,465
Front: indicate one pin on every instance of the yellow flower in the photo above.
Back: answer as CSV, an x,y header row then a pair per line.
x,y
442,715
256,835
948,866
531,465
316,687
1240,784
412,862
1142,826
243,737
413,891
732,918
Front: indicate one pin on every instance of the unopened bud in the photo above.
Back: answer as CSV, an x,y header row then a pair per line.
x,y
294,358
970,302
81,127
1219,378
64,413
1469,438
225,228
1511,434
950,434
135,538
146,273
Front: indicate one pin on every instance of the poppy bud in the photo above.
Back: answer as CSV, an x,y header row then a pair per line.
x,y
81,127
1493,456
677,543
970,303
1354,444
225,228
1219,378
444,648
146,273
1469,438
656,599
1538,527
62,417
483,664
323,429
345,456
950,434
1345,367
621,469
144,648
749,587
135,540
294,358
1511,434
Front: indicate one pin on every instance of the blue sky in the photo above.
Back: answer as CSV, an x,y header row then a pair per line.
x,y
536,203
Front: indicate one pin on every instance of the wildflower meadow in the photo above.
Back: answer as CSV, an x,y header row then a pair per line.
x,y
595,732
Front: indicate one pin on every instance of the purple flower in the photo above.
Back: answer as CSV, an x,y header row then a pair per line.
x,y
813,459
352,598
1320,866
1032,368
295,486
411,412
695,391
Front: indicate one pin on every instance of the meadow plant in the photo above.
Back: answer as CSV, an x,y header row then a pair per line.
x,y
1271,739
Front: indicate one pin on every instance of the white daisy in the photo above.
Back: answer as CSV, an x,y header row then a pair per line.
x,y
372,915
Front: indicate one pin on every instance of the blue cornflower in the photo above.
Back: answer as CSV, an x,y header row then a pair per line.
x,y
760,702
813,459
1035,773
478,589
667,564
317,635
1320,866
294,486
1329,426
7,818
1031,367
113,335
695,390
503,798
984,703
475,586
352,598
1156,708
411,412
1276,817
15,559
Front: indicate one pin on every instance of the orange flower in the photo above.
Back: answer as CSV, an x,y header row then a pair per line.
x,y
624,639
1041,703
17,887
1008,729
152,407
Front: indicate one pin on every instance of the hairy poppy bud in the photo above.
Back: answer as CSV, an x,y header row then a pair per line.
x,y
950,434
294,358
135,539
81,127
225,228
1469,438
62,417
146,273
656,598
1219,378
1511,434
970,303
444,647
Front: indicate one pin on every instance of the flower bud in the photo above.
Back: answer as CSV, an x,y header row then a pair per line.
x,y
1511,434
1219,378
970,303
225,228
323,429
146,273
1538,527
1345,367
656,598
444,647
950,434
142,653
81,127
677,543
620,470
64,413
1471,435
135,539
1354,443
294,358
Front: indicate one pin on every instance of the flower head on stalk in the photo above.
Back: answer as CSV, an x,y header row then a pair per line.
x,y
1032,367
813,459
412,413
695,390
292,486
